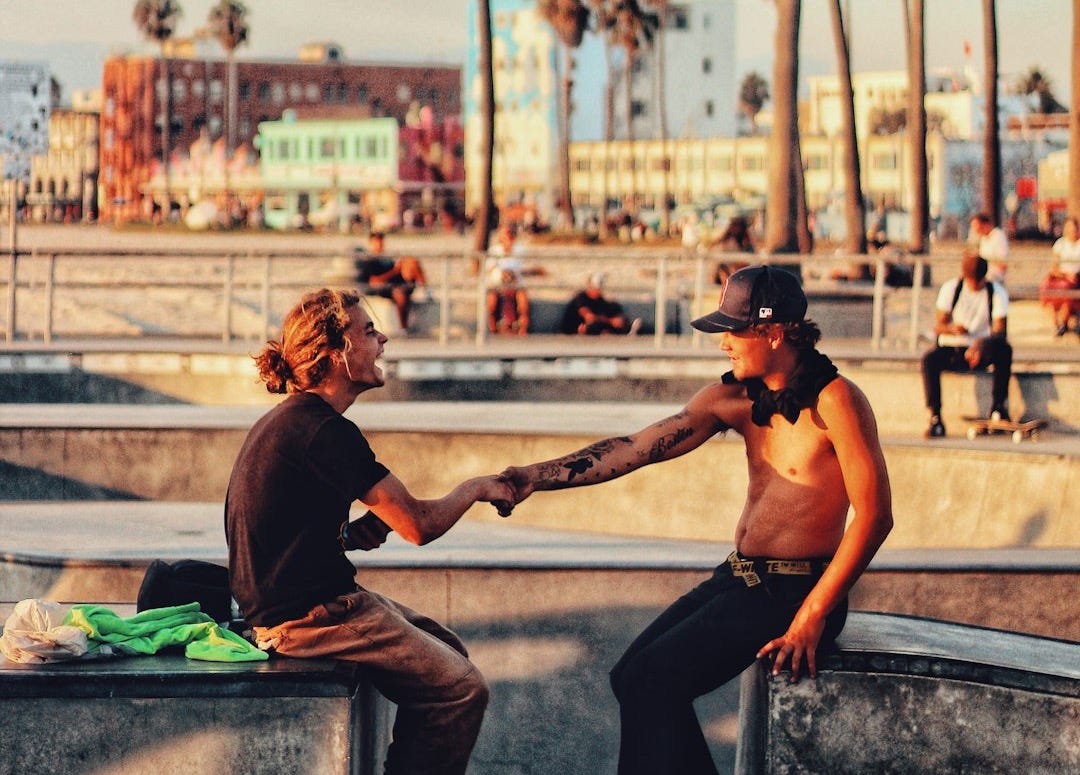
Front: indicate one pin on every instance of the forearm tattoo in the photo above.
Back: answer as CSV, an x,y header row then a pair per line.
x,y
667,442
567,469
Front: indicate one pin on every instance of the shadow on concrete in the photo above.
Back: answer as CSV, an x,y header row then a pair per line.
x,y
552,709
76,387
23,483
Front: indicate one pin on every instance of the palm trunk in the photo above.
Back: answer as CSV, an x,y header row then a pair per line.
x,y
565,205
781,213
482,231
166,109
920,196
854,205
661,114
1074,116
991,138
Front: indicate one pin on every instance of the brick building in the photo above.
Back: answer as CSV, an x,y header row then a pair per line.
x,y
321,84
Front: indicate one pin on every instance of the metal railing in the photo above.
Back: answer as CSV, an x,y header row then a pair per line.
x,y
54,295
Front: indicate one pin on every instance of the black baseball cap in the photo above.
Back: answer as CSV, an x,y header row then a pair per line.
x,y
756,294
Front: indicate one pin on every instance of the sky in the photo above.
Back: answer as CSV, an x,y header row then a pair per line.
x,y
74,36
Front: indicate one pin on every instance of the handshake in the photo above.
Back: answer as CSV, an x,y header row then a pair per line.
x,y
503,491
517,487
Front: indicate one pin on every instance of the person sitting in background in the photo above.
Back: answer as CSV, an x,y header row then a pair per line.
x,y
508,306
970,327
1064,275
390,278
590,312
993,246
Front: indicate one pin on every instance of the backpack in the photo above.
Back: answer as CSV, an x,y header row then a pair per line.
x,y
187,581
989,298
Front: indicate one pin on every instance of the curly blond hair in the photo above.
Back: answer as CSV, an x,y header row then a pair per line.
x,y
312,330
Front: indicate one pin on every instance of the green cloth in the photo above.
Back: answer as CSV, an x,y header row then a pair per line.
x,y
147,632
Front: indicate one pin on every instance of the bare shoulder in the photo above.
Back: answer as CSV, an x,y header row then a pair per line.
x,y
843,406
727,404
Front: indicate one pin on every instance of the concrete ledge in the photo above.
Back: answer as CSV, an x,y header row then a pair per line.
x,y
166,713
916,695
987,493
77,552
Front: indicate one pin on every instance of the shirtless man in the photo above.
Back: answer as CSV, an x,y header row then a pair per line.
x,y
813,452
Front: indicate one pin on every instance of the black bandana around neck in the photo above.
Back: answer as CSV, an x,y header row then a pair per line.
x,y
813,372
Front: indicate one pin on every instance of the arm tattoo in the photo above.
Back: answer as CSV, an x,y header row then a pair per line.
x,y
578,463
668,442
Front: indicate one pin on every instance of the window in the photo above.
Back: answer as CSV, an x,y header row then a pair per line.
x,y
709,109
817,161
883,161
216,90
706,65
311,92
581,165
638,108
264,92
215,126
244,91
362,93
678,17
752,163
296,91
179,89
721,163
198,89
277,93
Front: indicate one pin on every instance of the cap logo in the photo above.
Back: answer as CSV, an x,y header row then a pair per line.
x,y
764,312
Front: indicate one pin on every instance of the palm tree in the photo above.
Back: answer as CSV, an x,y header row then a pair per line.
x,y
854,206
914,17
1074,115
634,29
661,108
228,24
482,231
991,136
569,19
603,15
782,198
156,20
753,94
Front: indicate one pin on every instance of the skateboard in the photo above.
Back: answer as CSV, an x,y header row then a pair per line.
x,y
980,426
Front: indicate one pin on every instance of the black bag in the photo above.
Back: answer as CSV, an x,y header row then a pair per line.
x,y
187,581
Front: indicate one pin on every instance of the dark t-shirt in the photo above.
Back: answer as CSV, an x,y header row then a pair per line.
x,y
596,305
297,473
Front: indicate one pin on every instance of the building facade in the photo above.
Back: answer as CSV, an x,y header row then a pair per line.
x,y
370,172
691,68
734,172
524,61
64,180
26,98
195,93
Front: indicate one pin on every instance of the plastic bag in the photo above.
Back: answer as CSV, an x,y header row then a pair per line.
x,y
35,633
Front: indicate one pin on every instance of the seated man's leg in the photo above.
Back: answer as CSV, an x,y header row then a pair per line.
x,y
998,353
703,640
413,661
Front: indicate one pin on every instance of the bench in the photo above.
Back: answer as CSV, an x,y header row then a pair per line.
x,y
166,713
905,694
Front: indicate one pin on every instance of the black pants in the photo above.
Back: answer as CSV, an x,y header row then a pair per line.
x,y
706,638
996,352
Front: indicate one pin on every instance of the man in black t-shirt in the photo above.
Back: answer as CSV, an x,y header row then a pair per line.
x,y
287,525
590,312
